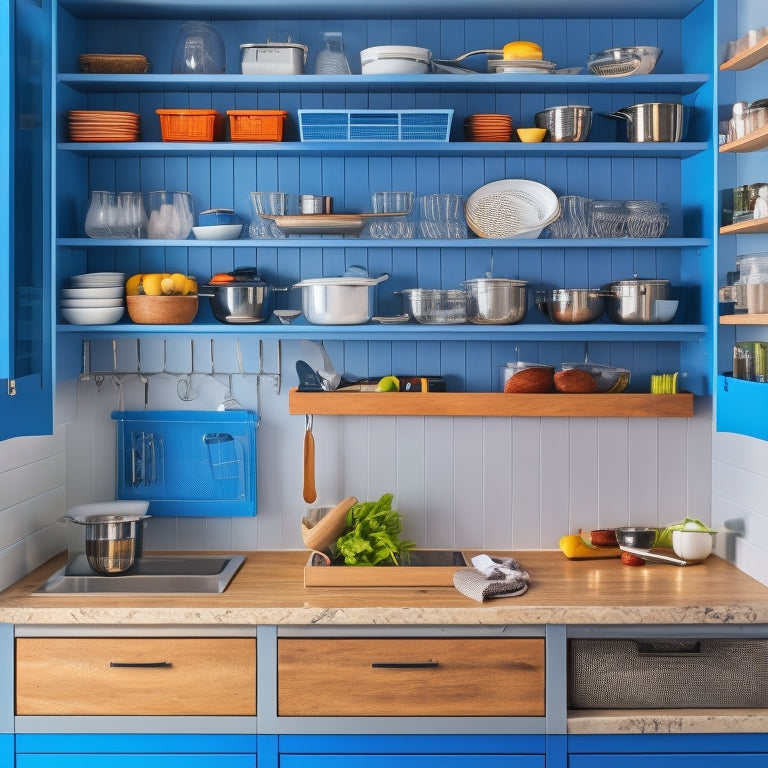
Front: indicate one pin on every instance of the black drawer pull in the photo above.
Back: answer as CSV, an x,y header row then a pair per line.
x,y
405,664
141,664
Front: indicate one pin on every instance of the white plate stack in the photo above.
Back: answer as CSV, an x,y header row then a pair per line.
x,y
95,298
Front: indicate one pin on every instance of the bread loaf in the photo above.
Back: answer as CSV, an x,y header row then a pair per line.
x,y
535,380
574,381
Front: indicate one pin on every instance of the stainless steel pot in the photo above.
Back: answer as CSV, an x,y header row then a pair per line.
x,y
654,121
112,542
496,300
571,305
634,301
338,300
567,123
247,299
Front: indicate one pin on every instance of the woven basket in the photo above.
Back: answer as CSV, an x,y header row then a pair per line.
x,y
511,208
161,310
667,674
117,64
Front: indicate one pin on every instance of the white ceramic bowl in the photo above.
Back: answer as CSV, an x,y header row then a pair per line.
x,y
395,60
95,303
92,315
664,310
218,232
692,545
113,292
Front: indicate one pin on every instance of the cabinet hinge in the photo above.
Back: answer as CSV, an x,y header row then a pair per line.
x,y
11,387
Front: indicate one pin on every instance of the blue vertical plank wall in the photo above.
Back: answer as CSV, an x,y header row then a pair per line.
x,y
225,180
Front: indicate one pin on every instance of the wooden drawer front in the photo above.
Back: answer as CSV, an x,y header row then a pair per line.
x,y
135,676
389,677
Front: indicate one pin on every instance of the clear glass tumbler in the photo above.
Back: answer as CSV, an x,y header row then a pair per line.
x,y
391,227
272,204
442,216
171,215
101,214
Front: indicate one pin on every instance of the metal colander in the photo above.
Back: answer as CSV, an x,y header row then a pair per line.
x,y
511,208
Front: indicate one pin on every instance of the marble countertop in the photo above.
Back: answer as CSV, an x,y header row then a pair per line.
x,y
269,589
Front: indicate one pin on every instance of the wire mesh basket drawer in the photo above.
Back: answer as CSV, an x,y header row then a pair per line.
x,y
188,463
667,674
375,125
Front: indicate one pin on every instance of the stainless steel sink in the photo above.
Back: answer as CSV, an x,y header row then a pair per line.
x,y
172,573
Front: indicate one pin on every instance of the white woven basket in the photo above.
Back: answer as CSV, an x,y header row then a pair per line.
x,y
511,208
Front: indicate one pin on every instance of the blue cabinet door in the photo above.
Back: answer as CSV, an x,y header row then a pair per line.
x,y
412,751
94,750
26,378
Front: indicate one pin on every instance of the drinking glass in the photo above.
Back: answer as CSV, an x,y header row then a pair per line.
x,y
331,59
272,204
391,227
442,216
130,215
574,218
171,215
101,214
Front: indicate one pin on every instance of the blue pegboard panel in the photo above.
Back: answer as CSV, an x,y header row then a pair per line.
x,y
188,463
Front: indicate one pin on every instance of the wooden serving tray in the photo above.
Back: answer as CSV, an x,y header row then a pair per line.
x,y
430,568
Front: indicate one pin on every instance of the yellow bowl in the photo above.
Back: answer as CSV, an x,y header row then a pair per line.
x,y
531,135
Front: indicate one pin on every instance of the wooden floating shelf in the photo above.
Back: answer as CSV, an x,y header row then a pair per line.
x,y
744,319
747,58
750,143
751,226
488,404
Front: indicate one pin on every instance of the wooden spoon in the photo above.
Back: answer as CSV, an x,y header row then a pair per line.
x,y
309,491
320,534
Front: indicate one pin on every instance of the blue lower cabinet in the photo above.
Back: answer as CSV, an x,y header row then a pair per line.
x,y
6,750
700,750
412,751
123,750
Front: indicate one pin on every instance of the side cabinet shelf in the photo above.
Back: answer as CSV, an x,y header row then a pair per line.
x,y
488,404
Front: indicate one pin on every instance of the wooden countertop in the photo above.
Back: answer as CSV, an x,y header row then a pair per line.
x,y
269,590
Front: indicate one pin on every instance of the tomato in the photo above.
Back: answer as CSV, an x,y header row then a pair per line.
x,y
629,559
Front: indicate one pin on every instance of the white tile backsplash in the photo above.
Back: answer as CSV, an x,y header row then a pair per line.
x,y
460,482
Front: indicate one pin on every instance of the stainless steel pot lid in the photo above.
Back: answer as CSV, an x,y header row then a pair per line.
x,y
353,280
99,519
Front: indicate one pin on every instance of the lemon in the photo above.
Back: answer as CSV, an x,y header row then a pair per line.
x,y
388,384
179,281
151,284
167,286
190,286
523,49
132,285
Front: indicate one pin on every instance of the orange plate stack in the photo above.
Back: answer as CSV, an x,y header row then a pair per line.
x,y
94,125
482,127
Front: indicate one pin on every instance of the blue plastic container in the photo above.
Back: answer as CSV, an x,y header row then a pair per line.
x,y
188,463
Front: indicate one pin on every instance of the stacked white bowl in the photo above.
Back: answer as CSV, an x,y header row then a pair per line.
x,y
95,298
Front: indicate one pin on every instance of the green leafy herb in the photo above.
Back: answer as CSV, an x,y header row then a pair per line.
x,y
373,534
664,539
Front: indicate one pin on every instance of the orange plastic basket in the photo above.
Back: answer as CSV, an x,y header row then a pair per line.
x,y
191,124
256,124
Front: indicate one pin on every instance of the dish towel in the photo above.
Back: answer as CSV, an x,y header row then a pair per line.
x,y
491,577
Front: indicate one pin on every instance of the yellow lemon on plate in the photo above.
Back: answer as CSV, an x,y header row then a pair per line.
x,y
523,49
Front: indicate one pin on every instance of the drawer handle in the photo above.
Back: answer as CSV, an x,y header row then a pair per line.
x,y
405,664
141,664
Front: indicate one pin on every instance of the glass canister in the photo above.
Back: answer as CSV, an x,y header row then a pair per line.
x,y
750,360
331,59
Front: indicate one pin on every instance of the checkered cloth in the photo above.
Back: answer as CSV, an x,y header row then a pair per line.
x,y
491,577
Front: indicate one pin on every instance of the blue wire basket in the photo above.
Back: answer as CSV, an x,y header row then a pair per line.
x,y
375,124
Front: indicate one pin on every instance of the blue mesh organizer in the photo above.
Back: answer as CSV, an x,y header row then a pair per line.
x,y
188,463
375,124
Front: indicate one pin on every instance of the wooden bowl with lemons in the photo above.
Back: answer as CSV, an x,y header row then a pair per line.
x,y
161,298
